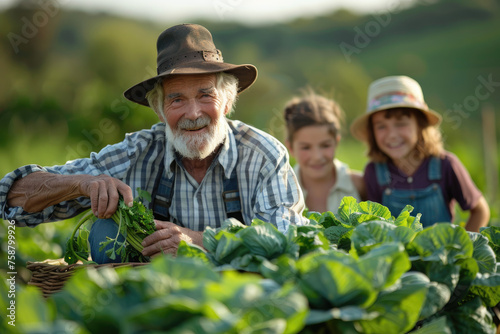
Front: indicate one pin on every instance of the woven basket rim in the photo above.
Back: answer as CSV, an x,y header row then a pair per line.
x,y
51,275
45,263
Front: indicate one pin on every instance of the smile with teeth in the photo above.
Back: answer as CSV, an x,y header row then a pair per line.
x,y
195,129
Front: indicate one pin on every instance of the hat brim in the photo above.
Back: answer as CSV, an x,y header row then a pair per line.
x,y
246,74
359,127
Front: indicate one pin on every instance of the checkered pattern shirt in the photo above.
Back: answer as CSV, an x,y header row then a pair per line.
x,y
268,186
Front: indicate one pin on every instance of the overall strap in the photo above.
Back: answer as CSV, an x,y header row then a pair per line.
x,y
231,197
434,169
162,194
382,172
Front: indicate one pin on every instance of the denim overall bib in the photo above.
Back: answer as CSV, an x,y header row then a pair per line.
x,y
164,190
428,201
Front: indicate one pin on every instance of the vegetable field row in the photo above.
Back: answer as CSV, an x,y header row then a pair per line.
x,y
362,270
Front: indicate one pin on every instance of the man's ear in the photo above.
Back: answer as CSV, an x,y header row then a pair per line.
x,y
227,108
162,118
161,115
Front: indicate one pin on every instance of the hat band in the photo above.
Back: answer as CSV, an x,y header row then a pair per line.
x,y
190,57
405,99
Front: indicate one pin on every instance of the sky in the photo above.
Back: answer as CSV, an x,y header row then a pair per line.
x,y
251,12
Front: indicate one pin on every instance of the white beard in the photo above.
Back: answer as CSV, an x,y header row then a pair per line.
x,y
197,146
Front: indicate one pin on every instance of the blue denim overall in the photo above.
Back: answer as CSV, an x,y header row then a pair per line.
x,y
428,201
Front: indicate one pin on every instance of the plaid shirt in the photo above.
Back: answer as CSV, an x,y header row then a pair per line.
x,y
268,186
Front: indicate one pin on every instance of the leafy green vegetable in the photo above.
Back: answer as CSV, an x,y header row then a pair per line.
x,y
351,215
333,280
375,233
134,224
438,325
471,317
397,309
264,239
488,288
77,247
493,235
437,294
384,265
247,247
483,253
442,242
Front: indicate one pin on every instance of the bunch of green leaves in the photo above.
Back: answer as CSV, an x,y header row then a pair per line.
x,y
134,224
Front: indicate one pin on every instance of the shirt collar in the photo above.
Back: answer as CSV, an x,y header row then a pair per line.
x,y
228,154
169,157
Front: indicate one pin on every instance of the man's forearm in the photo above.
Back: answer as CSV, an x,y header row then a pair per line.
x,y
40,190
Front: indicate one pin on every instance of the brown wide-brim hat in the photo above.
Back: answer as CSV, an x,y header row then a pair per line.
x,y
390,92
189,49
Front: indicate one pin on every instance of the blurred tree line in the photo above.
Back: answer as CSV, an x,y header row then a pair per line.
x,y
63,72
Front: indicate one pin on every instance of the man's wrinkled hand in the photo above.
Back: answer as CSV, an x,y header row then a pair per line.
x,y
104,192
167,237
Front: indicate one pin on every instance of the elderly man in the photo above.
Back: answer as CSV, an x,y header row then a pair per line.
x,y
200,167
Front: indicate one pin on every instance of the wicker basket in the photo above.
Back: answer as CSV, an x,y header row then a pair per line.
x,y
51,275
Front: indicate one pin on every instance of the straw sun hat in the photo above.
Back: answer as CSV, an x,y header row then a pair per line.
x,y
189,49
392,92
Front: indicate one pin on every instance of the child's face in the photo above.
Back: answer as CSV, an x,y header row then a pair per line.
x,y
314,149
396,136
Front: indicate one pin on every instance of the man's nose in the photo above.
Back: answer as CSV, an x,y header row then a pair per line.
x,y
193,110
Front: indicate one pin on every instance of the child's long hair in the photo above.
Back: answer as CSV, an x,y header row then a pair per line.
x,y
429,142
312,109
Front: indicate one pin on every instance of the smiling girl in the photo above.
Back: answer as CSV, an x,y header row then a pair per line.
x,y
313,125
408,163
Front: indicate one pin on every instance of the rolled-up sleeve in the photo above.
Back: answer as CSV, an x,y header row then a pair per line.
x,y
21,217
112,160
